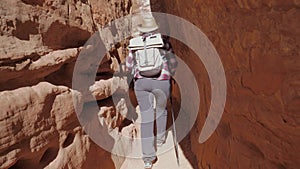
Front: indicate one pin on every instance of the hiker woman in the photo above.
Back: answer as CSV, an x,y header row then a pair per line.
x,y
149,87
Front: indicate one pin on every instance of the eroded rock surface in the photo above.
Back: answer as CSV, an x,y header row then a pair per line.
x,y
40,42
33,31
35,124
258,44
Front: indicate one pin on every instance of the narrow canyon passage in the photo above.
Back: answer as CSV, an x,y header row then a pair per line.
x,y
46,122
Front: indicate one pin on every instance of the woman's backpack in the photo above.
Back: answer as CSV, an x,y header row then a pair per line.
x,y
148,55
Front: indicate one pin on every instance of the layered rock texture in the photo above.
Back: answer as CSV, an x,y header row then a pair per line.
x,y
258,43
40,42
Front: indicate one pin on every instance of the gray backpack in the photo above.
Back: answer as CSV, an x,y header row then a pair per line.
x,y
148,55
149,62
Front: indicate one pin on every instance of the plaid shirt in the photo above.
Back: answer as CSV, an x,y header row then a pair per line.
x,y
170,63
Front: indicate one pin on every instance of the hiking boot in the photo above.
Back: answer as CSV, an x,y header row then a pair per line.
x,y
148,164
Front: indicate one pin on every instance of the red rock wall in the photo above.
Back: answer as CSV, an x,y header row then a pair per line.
x,y
39,44
258,43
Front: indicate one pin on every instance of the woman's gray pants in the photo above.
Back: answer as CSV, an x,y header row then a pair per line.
x,y
145,90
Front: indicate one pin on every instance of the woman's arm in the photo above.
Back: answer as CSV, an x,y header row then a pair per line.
x,y
170,56
129,62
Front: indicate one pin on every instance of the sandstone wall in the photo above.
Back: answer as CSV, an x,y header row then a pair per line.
x,y
40,42
258,43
